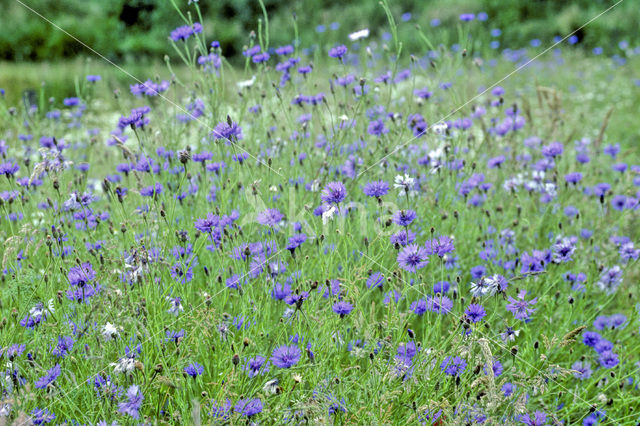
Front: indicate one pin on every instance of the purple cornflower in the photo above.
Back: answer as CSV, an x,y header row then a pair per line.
x,y
539,419
440,246
628,252
520,308
475,313
591,338
467,17
377,128
375,280
207,224
403,238
260,57
419,307
338,51
285,356
284,50
9,169
403,217
342,308
439,304
583,370
453,366
608,359
334,193
494,162
610,279
64,346
573,178
563,249
413,257
248,408
255,366
133,403
13,351
40,416
152,191
81,275
619,202
496,366
552,150
230,131
48,378
296,241
376,189
185,31
270,217
194,370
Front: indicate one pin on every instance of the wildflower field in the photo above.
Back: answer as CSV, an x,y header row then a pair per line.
x,y
344,233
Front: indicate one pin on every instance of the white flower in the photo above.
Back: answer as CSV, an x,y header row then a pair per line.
x,y
328,214
315,185
52,308
359,34
439,128
5,410
246,83
175,306
110,331
486,286
271,387
405,184
124,365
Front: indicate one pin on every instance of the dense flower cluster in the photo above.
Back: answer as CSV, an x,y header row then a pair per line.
x,y
310,241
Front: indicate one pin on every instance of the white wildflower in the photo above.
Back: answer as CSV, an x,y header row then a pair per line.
x,y
328,214
364,33
110,332
124,366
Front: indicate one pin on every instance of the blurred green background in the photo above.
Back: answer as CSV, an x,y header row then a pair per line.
x,y
131,29
134,33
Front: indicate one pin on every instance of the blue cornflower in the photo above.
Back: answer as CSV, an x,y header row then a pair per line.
x,y
256,365
539,418
453,366
48,378
270,217
376,189
194,370
342,308
40,416
404,217
377,128
475,313
296,241
248,408
285,356
334,193
133,403
608,359
338,51
81,275
375,280
413,257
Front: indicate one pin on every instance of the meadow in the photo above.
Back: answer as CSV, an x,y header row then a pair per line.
x,y
344,233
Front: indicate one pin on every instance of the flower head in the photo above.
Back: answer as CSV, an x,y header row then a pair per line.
x,y
520,308
285,356
133,403
334,193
